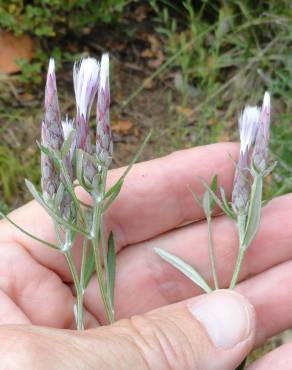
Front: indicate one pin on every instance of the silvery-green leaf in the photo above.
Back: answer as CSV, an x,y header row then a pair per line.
x,y
115,190
228,210
207,203
79,166
217,200
50,211
254,211
185,268
59,196
195,196
28,233
118,184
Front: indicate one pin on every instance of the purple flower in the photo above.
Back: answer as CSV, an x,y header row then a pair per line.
x,y
85,77
261,149
248,127
104,142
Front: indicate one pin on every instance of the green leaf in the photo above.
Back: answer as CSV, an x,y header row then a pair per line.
x,y
254,211
185,268
89,267
111,265
59,195
218,201
119,183
229,210
214,189
115,190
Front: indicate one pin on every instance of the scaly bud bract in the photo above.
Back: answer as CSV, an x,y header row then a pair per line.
x,y
261,149
52,134
104,142
50,180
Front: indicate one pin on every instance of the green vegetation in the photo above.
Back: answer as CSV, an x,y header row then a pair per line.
x,y
50,18
218,56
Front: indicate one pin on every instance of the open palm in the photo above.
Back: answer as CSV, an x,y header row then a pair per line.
x,y
154,209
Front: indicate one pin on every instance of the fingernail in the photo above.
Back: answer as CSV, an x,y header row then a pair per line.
x,y
226,315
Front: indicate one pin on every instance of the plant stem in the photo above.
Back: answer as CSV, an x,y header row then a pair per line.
x,y
241,224
211,253
236,272
78,288
97,236
83,261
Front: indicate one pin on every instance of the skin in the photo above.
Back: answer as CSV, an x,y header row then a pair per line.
x,y
154,209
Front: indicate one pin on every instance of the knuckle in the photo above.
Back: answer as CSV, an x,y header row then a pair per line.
x,y
161,343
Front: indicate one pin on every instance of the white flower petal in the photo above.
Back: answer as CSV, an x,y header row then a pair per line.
x,y
104,71
85,77
248,126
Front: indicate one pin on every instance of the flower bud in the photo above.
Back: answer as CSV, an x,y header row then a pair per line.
x,y
261,149
104,142
65,206
52,112
52,135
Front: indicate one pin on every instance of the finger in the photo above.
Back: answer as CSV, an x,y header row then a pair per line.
x,y
155,198
10,313
30,292
195,334
280,358
148,282
269,294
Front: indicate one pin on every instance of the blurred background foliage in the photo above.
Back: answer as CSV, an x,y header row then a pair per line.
x,y
185,68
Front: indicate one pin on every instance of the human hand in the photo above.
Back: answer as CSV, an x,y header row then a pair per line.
x,y
36,286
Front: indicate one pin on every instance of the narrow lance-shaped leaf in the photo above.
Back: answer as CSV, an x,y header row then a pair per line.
x,y
89,267
50,211
48,244
111,265
114,191
218,201
214,189
185,268
226,204
254,211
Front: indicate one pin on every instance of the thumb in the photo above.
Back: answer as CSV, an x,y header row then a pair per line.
x,y
214,331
